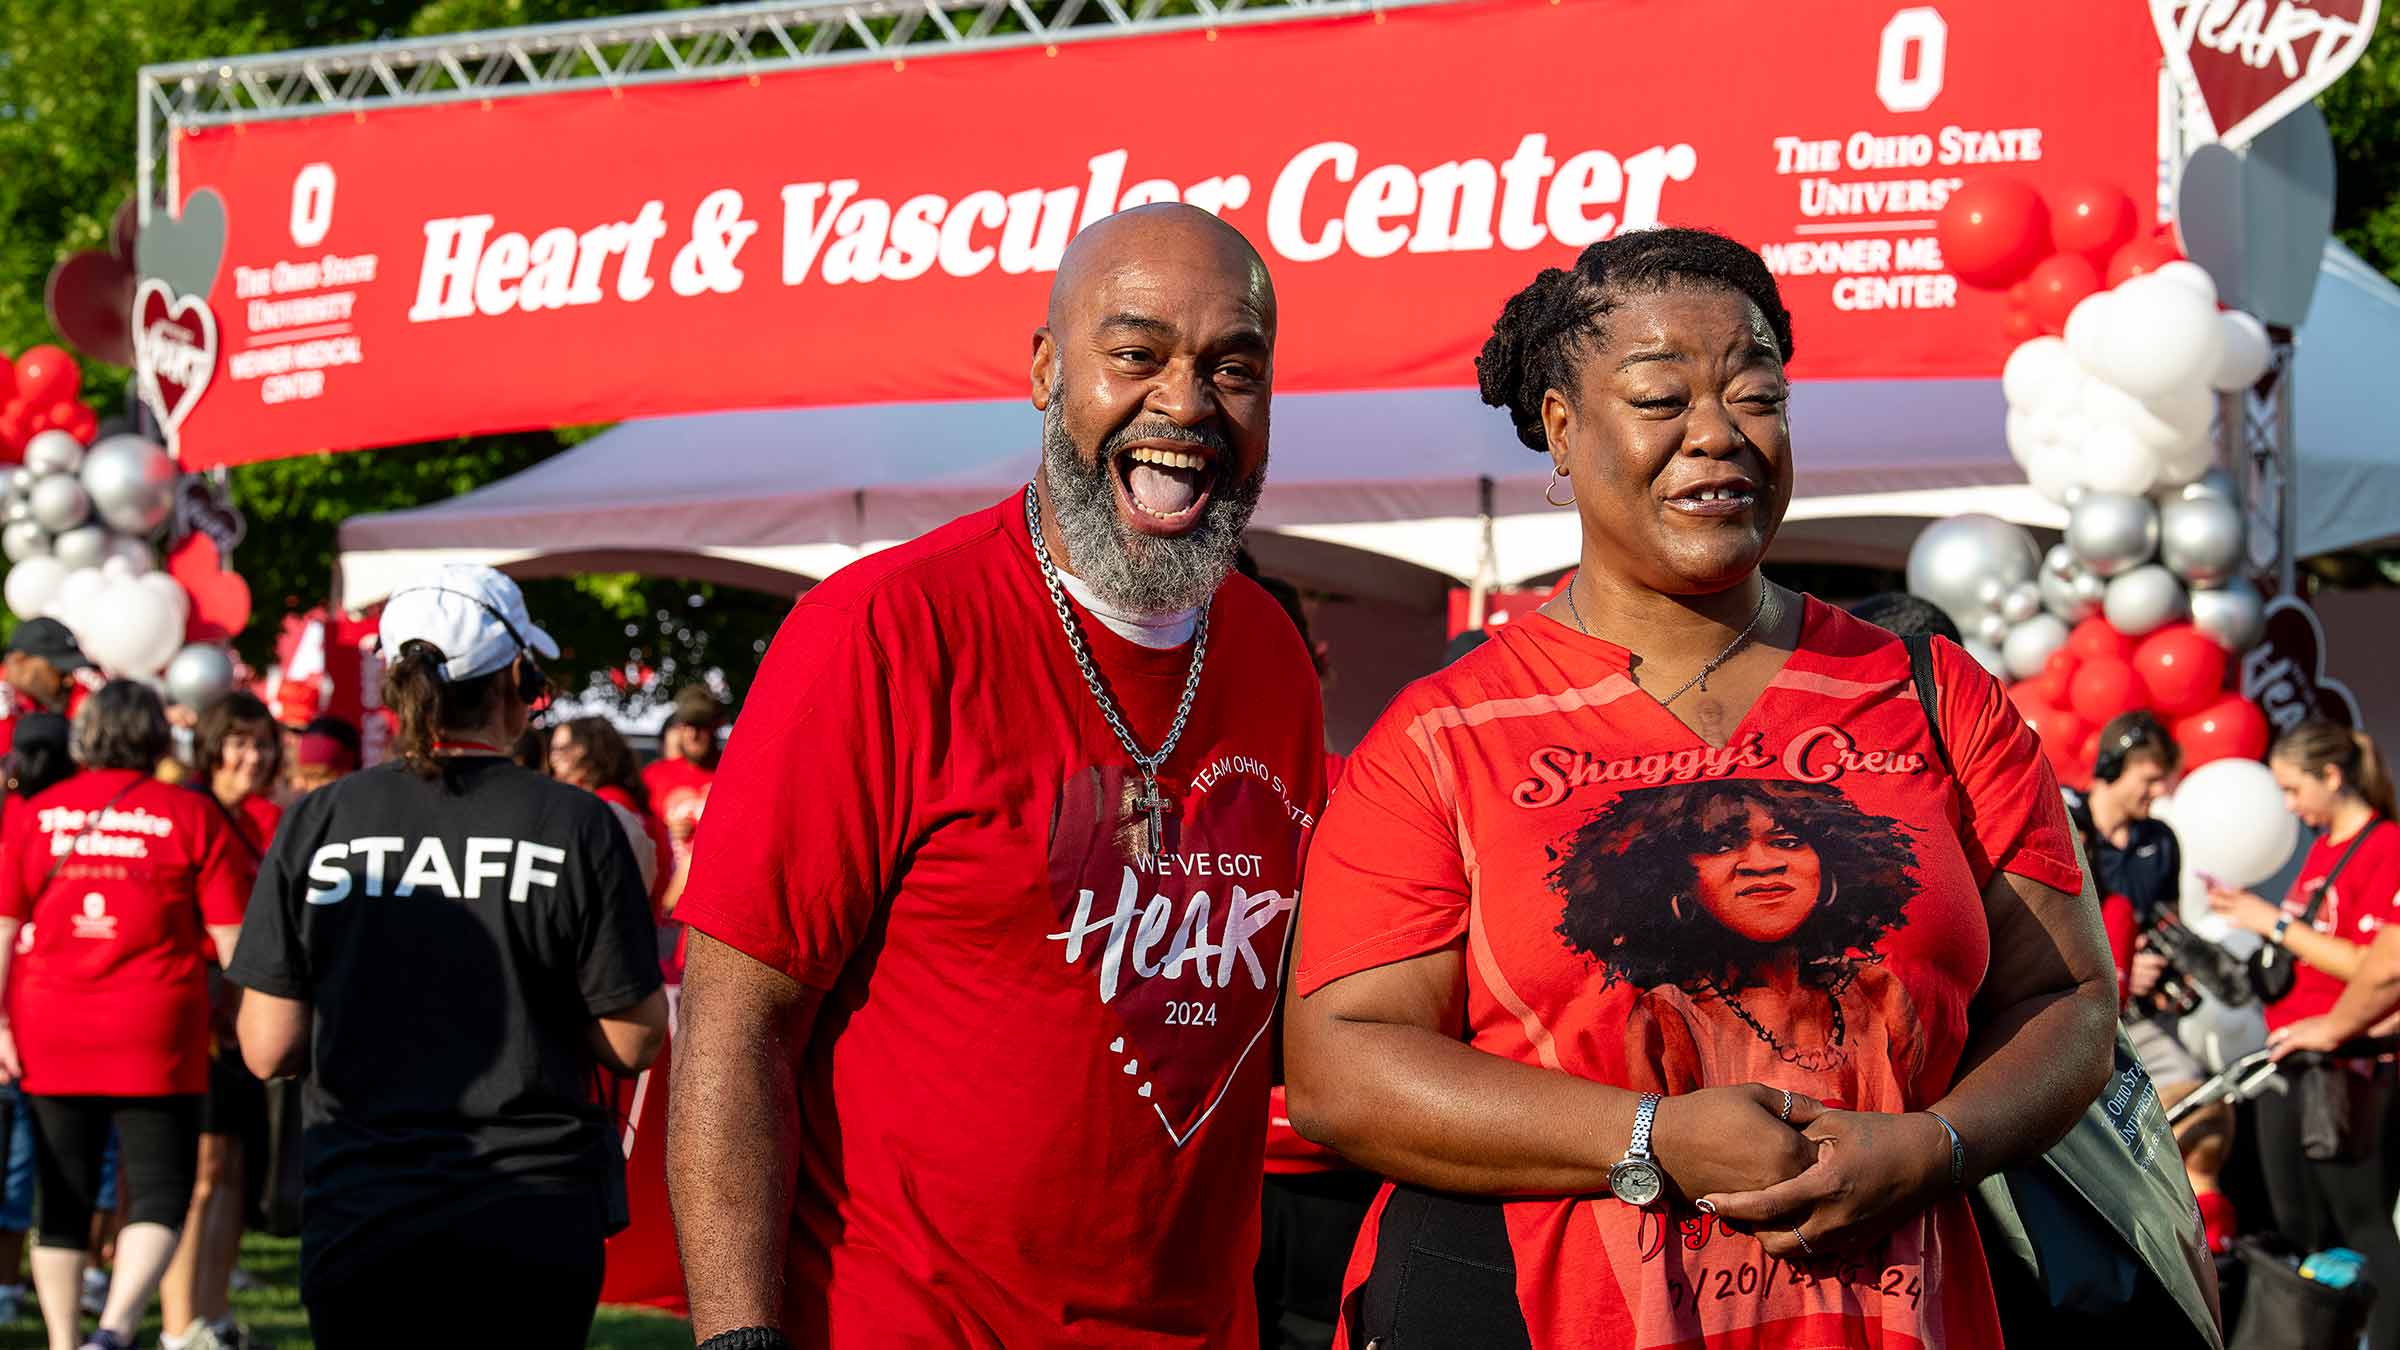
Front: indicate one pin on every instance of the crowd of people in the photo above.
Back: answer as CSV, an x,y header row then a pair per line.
x,y
1675,962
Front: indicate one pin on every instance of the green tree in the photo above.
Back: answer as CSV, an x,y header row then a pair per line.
x,y
2363,113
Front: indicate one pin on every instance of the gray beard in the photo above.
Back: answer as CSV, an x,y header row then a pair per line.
x,y
1135,572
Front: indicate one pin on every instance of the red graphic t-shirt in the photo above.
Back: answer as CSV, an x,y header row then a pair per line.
x,y
679,795
109,997
2364,898
1801,907
1034,1100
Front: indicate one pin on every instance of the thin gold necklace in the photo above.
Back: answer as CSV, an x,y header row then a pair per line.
x,y
1766,592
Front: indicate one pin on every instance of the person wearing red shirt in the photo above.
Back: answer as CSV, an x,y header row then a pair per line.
x,y
991,902
238,755
687,763
2345,899
592,754
127,882
1650,949
44,671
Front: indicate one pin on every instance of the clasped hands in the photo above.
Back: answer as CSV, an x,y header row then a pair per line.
x,y
1822,1184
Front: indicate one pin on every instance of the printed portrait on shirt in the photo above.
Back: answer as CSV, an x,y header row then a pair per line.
x,y
1748,915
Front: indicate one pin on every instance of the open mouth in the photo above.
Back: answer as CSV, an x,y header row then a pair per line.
x,y
1720,497
1163,487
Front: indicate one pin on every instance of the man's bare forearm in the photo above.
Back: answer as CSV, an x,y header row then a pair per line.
x,y
733,1134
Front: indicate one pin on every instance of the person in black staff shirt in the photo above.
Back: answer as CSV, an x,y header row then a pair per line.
x,y
453,948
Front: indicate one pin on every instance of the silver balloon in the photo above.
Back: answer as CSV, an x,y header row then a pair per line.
x,y
20,481
199,675
2215,483
2069,598
81,547
2232,614
2200,539
2023,601
2030,644
2090,591
137,556
1987,656
2061,562
24,539
2112,532
15,509
132,483
58,501
1952,559
1988,628
2143,601
53,452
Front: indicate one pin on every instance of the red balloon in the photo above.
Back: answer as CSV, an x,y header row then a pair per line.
x,y
2020,326
2230,728
2020,295
82,423
2088,753
8,377
2061,734
2142,255
1993,231
2061,665
47,375
2044,688
2105,687
2095,220
2058,283
2094,639
2182,668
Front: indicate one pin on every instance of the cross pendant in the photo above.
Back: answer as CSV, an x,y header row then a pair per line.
x,y
1155,805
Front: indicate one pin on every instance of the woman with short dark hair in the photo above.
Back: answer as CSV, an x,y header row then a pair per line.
x,y
1651,949
126,883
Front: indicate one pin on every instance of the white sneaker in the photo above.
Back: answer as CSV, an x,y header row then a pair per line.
x,y
95,1291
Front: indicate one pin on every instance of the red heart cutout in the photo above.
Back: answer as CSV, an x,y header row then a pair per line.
x,y
220,599
175,350
2249,73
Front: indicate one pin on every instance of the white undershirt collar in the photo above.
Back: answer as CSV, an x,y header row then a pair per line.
x,y
1155,631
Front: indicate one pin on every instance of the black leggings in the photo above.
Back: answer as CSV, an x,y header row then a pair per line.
x,y
528,1266
158,1150
2328,1204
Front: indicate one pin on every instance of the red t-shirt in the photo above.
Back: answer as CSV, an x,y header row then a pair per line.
x,y
660,851
1639,909
80,686
2362,899
1287,1153
678,793
109,997
1033,1103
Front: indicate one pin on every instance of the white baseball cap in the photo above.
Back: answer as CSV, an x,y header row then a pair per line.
x,y
475,615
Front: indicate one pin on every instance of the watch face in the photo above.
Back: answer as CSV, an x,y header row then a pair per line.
x,y
1635,1182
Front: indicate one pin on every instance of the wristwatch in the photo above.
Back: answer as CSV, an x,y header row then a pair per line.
x,y
2283,925
1636,1179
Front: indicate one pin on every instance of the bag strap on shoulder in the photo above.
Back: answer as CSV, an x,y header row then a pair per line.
x,y
1929,694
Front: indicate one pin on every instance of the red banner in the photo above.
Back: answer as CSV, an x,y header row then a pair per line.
x,y
884,232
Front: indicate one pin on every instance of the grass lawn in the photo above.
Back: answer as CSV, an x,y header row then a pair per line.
x,y
273,1313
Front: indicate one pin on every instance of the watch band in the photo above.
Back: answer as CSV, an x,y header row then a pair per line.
x,y
2283,925
1643,1115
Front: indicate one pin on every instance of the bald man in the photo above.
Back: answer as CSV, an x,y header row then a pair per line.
x,y
991,901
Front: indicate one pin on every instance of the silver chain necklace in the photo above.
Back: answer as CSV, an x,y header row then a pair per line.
x,y
1151,802
1766,592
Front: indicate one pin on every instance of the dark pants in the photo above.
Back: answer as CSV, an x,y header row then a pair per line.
x,y
1444,1276
158,1141
522,1272
1307,1223
2327,1204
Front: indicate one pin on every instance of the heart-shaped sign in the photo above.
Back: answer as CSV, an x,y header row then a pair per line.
x,y
220,599
2285,673
2249,64
174,349
184,250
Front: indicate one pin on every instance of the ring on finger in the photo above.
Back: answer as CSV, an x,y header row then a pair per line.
x,y
1786,1112
1802,1239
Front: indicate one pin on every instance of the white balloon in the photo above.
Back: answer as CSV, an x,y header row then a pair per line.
x,y
32,585
2187,465
2105,405
2189,275
24,539
2161,336
2056,473
136,555
2030,644
2114,459
170,593
2091,327
2245,352
2230,819
2041,370
2026,433
53,452
83,546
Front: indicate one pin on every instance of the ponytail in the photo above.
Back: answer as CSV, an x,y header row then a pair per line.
x,y
2317,745
426,706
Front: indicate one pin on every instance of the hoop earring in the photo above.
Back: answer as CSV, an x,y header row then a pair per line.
x,y
1551,487
1833,889
1675,908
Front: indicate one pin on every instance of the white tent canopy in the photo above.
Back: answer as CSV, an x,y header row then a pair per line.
x,y
1360,480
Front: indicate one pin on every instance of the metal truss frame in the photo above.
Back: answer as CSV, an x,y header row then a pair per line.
x,y
697,44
